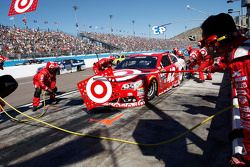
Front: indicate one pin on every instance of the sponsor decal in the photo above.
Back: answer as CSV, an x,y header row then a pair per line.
x,y
158,29
244,115
245,109
171,75
240,79
236,74
241,85
126,74
99,91
125,105
241,92
140,92
242,99
22,6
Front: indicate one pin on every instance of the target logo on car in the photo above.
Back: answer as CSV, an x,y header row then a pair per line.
x,y
126,74
22,6
99,89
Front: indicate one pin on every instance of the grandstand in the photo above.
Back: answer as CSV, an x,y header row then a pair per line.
x,y
17,43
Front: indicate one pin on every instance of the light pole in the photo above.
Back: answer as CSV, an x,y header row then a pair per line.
x,y
235,11
75,8
149,30
110,17
197,10
133,22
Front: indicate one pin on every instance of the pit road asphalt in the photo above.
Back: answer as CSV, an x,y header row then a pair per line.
x,y
33,144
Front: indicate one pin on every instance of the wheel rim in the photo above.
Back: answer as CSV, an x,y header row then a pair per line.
x,y
151,89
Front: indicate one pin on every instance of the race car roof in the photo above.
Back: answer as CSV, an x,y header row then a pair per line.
x,y
149,54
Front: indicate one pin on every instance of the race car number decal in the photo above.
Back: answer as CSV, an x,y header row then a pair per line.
x,y
171,75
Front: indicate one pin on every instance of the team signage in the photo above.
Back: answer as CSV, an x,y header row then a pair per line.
x,y
22,6
158,29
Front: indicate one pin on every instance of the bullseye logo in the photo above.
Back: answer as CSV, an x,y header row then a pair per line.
x,y
22,6
193,55
123,75
203,51
99,89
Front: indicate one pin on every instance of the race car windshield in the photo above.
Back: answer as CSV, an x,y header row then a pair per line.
x,y
138,63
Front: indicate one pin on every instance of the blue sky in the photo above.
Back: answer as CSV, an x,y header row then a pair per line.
x,y
95,14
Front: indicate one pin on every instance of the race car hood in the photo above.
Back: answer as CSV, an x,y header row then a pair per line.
x,y
123,75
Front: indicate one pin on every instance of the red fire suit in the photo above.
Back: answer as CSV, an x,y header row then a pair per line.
x,y
2,59
180,54
43,80
195,59
207,61
102,64
239,63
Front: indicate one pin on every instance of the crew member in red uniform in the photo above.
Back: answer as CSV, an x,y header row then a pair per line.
x,y
102,64
45,80
175,50
180,54
189,49
207,61
223,39
219,65
195,58
2,60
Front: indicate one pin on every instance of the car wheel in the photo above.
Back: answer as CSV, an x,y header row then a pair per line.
x,y
181,77
58,72
82,67
152,89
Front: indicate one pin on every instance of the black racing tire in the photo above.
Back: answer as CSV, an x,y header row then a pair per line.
x,y
58,72
152,90
181,77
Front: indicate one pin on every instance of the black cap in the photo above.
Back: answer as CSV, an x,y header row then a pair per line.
x,y
220,25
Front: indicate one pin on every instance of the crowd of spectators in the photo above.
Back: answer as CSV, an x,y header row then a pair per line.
x,y
24,43
135,43
30,43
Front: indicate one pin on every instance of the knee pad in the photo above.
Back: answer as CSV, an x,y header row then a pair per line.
x,y
54,90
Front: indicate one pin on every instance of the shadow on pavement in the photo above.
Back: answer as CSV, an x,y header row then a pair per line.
x,y
213,150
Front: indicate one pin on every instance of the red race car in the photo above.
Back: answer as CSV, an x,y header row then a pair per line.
x,y
137,79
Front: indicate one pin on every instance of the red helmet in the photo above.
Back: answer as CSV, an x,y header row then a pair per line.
x,y
212,41
112,57
201,43
2,59
52,66
175,49
179,53
189,48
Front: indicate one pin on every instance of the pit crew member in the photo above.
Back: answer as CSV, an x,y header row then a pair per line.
x,y
45,79
223,39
